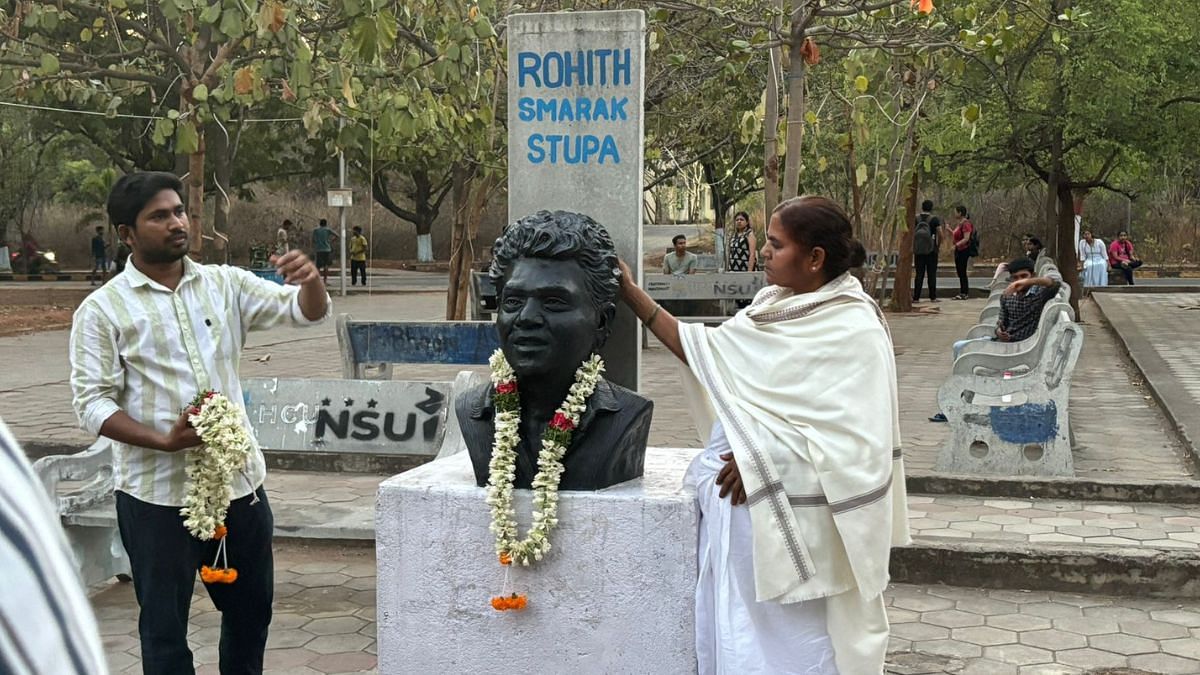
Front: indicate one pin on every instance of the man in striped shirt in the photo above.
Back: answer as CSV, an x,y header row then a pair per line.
x,y
46,624
142,347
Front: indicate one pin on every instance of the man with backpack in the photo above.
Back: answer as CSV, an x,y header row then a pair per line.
x,y
926,240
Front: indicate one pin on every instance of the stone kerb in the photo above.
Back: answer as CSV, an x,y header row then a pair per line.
x,y
615,595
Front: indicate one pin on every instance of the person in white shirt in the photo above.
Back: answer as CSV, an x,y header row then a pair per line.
x,y
46,623
142,347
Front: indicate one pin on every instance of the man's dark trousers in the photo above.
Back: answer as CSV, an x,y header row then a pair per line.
x,y
165,558
926,264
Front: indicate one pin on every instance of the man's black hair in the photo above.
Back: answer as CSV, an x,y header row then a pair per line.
x,y
1020,264
676,238
927,205
323,223
133,191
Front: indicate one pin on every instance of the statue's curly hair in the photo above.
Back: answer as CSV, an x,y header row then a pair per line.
x,y
560,235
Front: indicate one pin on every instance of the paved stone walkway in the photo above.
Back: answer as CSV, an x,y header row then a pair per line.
x,y
35,397
1160,331
325,623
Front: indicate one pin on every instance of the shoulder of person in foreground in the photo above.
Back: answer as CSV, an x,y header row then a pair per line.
x,y
46,623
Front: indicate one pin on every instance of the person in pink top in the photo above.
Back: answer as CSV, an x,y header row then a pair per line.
x,y
1121,257
962,249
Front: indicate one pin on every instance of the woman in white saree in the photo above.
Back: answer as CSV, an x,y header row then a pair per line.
x,y
801,487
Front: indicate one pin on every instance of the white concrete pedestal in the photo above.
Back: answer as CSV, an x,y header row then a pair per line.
x,y
615,595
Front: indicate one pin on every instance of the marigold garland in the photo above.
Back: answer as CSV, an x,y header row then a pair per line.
x,y
502,469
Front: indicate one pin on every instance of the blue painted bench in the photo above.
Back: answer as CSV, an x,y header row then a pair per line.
x,y
369,348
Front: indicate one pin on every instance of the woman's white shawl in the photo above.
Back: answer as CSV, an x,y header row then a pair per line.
x,y
805,386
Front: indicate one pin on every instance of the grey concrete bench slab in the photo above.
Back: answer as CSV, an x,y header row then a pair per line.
x,y
1007,404
81,488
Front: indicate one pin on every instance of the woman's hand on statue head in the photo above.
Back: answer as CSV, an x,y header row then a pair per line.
x,y
627,280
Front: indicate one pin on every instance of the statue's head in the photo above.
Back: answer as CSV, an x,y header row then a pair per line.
x,y
556,278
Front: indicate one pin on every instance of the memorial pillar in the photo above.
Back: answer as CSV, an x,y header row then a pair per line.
x,y
575,94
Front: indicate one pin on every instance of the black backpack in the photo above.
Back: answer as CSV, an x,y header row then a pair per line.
x,y
973,244
923,241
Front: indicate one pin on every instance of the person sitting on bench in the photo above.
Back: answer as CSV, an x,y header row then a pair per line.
x,y
1020,308
1121,257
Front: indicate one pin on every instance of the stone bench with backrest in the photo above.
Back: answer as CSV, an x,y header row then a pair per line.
x,y
1007,403
81,488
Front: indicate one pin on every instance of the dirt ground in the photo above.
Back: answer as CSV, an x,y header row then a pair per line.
x,y
19,319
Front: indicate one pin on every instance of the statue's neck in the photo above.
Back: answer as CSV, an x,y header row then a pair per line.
x,y
542,394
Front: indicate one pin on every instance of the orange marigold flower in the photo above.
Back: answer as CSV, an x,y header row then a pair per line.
x,y
220,532
498,603
230,576
505,558
519,601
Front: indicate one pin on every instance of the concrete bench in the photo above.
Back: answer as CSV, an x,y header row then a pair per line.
x,y
1007,404
81,488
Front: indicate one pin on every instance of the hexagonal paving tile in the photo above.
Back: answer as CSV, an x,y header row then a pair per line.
x,y
952,618
1118,614
1053,639
334,626
1156,630
985,606
920,631
1051,610
1165,664
922,603
1048,669
334,644
319,567
1087,625
1186,647
1018,622
351,662
319,580
1183,617
1018,655
1128,645
985,636
1091,658
951,648
288,637
283,659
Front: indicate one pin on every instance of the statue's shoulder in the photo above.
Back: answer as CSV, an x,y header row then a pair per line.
x,y
473,400
627,398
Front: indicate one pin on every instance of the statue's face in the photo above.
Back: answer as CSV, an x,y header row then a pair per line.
x,y
547,321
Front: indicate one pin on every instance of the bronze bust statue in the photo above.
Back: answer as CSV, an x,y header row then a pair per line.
x,y
556,280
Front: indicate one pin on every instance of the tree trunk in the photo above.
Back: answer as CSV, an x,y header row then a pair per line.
x,y
195,198
469,194
771,129
901,289
797,106
223,172
720,203
856,196
1065,227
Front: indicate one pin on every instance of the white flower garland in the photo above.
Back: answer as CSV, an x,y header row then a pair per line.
x,y
210,468
502,469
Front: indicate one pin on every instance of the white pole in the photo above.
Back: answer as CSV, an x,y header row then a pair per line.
x,y
342,213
